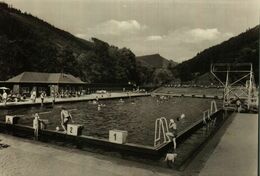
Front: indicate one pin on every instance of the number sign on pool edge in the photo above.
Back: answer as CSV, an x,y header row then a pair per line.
x,y
11,119
117,136
74,129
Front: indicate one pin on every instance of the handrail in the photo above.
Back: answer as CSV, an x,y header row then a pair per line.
x,y
161,124
213,107
206,116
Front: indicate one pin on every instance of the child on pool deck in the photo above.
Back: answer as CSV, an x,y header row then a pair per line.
x,y
170,158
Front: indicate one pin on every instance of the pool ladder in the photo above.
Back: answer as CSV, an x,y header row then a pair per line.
x,y
209,112
161,125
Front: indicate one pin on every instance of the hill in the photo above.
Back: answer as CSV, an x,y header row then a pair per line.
x,y
155,61
28,43
154,69
243,48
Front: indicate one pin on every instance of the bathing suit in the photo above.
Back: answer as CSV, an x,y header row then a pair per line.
x,y
66,118
173,129
174,132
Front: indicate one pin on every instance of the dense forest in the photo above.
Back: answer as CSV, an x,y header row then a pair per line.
x,y
28,43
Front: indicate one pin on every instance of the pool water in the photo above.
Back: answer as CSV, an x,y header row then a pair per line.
x,y
135,115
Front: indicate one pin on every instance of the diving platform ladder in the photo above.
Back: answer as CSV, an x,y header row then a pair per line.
x,y
238,82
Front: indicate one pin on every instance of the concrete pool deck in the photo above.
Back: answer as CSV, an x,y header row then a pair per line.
x,y
237,151
230,156
30,158
49,100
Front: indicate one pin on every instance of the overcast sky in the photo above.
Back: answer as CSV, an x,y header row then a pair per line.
x,y
177,29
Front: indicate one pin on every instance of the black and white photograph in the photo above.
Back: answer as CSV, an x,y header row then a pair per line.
x,y
129,87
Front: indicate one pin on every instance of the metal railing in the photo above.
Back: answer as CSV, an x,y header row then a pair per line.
x,y
209,112
213,107
161,125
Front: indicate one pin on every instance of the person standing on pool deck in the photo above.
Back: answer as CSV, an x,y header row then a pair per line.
x,y
66,117
173,130
42,98
33,95
37,122
4,97
238,104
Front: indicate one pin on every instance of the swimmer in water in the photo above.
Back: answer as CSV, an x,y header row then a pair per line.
x,y
121,100
99,107
181,117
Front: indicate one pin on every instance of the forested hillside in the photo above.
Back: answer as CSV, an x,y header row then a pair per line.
x,y
243,48
30,44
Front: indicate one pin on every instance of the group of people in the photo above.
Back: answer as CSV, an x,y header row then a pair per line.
x,y
65,116
34,96
67,94
10,97
5,97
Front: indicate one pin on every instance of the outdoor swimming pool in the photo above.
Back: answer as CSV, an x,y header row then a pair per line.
x,y
135,115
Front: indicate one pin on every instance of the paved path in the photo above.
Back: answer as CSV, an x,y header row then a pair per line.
x,y
236,154
31,158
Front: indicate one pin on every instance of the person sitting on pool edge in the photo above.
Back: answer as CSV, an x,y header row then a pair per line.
x,y
173,132
66,117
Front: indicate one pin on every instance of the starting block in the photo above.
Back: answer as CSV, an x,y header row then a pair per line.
x,y
118,136
74,129
11,119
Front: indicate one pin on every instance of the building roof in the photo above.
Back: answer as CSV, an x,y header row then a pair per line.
x,y
49,78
